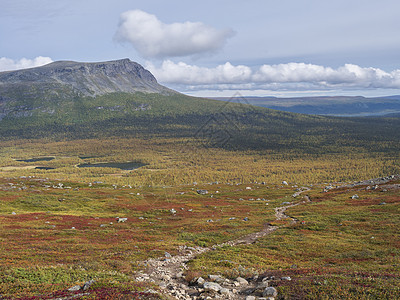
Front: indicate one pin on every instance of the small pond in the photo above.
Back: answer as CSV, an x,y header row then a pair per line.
x,y
123,165
36,159
44,168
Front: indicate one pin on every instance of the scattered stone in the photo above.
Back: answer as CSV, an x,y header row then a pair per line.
x,y
122,220
250,298
270,292
285,182
87,285
355,196
74,288
246,219
242,281
173,211
166,278
202,192
224,291
248,188
288,278
200,281
167,255
13,213
382,203
214,277
211,287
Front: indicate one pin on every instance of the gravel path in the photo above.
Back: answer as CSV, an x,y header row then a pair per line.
x,y
167,272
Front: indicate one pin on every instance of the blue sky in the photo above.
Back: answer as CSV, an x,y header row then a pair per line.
x,y
268,47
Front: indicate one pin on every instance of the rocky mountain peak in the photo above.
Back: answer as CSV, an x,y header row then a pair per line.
x,y
88,79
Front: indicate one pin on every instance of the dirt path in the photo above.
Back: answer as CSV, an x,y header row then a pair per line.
x,y
168,272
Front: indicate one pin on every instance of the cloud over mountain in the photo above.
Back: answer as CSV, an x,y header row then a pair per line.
x,y
153,38
8,64
290,76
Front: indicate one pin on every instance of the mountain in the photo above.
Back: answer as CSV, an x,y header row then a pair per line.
x,y
85,79
345,106
119,99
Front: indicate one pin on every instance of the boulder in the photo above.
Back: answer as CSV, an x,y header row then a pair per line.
x,y
242,281
270,292
200,281
224,291
202,192
87,285
211,287
74,288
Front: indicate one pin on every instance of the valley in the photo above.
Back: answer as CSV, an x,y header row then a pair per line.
x,y
117,191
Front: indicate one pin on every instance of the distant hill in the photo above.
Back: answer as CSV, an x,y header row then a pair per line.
x,y
330,106
71,100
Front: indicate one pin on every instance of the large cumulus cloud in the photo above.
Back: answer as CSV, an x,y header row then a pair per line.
x,y
153,38
289,76
8,64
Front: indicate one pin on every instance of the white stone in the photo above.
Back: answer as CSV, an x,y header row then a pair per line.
x,y
242,281
212,286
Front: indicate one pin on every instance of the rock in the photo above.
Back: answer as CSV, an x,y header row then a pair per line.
x,y
166,278
382,203
270,292
214,278
167,255
200,281
250,298
355,196
74,288
248,188
211,287
122,220
224,291
173,211
246,219
285,182
286,278
242,281
202,192
87,285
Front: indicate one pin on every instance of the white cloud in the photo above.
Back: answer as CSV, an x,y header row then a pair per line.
x,y
182,73
7,64
152,38
290,76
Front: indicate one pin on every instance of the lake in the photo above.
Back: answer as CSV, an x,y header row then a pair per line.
x,y
123,165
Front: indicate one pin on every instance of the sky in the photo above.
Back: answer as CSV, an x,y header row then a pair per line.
x,y
218,48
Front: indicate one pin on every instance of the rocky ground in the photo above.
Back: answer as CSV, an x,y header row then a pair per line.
x,y
168,272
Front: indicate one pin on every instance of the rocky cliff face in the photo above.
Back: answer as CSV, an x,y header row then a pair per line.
x,y
85,79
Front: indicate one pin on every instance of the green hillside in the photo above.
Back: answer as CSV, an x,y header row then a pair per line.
x,y
221,124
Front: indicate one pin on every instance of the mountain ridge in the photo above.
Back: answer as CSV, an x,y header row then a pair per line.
x,y
85,79
346,106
